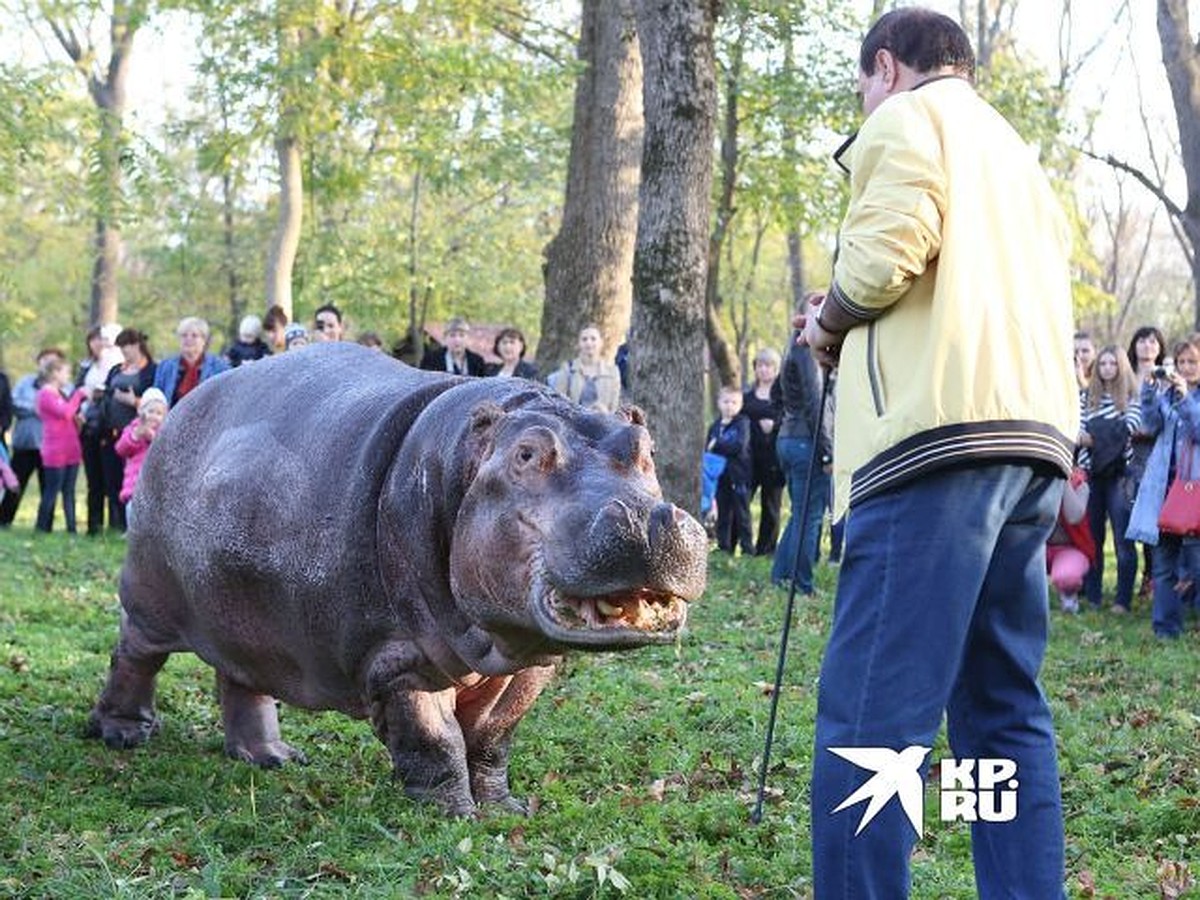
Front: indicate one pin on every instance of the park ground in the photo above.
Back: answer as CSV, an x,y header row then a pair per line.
x,y
641,767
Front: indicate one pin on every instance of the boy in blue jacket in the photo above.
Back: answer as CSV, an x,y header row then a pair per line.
x,y
729,437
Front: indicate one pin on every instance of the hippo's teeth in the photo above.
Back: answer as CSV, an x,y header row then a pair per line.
x,y
609,609
588,609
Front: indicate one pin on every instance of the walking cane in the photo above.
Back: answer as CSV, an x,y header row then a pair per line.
x,y
800,517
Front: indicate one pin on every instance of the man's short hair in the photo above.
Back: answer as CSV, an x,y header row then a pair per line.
x,y
922,39
329,308
457,323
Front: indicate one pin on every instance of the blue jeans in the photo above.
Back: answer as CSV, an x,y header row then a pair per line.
x,y
1172,555
55,481
1109,501
941,606
795,457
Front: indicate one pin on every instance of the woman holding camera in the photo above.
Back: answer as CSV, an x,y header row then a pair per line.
x,y
1146,349
1171,412
1110,418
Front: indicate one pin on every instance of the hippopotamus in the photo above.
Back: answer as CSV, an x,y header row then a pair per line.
x,y
337,530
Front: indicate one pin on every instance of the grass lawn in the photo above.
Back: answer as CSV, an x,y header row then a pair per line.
x,y
641,766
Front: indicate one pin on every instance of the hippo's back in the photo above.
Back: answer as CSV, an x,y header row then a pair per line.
x,y
261,492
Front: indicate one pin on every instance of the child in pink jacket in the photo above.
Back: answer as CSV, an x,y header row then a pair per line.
x,y
61,450
134,442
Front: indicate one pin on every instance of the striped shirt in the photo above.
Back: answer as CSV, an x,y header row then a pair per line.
x,y
1107,411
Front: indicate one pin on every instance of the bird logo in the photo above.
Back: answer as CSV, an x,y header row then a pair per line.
x,y
896,773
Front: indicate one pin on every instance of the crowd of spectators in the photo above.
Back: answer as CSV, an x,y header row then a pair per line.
x,y
1140,420
105,417
1139,425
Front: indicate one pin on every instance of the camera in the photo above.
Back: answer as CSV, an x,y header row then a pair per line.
x,y
1162,373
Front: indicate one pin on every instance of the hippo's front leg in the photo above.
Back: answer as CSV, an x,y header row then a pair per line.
x,y
488,713
252,726
426,745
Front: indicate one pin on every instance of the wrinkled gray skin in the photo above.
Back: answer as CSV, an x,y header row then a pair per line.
x,y
340,531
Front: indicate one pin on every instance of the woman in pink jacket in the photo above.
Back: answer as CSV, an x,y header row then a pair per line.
x,y
135,439
61,451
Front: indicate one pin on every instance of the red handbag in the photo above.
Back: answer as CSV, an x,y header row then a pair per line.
x,y
1180,512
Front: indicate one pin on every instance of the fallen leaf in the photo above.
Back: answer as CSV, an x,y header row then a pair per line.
x,y
334,870
1140,718
1174,879
184,860
1087,884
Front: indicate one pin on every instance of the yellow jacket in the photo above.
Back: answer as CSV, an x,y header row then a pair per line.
x,y
953,257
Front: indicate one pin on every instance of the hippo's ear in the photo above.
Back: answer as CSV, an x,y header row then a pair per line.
x,y
480,431
634,415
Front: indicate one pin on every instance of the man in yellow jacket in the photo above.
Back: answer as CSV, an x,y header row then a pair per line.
x,y
949,320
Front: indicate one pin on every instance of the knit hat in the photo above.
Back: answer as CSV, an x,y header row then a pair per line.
x,y
151,395
295,335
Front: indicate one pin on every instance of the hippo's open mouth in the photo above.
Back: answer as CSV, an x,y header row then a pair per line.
x,y
637,616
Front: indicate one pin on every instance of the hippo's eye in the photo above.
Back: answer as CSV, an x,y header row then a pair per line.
x,y
537,450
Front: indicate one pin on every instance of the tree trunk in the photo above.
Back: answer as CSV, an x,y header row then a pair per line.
x,y
106,250
106,85
106,243
795,240
724,359
1181,58
286,239
670,263
237,306
589,263
416,321
795,248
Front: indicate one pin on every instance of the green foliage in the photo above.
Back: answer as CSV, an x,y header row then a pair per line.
x,y
791,64
1023,95
434,138
25,99
642,766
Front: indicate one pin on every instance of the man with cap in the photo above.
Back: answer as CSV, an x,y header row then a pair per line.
x,y
454,358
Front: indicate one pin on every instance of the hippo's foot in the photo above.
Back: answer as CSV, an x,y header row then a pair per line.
x,y
124,716
121,732
252,726
267,754
450,797
490,787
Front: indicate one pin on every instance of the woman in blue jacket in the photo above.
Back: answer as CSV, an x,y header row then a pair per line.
x,y
1170,412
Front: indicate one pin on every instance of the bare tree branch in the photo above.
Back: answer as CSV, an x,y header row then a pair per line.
x,y
1172,207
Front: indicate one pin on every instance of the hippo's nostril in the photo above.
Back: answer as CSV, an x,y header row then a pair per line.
x,y
663,519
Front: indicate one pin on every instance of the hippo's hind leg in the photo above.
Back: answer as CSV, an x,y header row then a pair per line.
x,y
124,714
252,726
488,715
